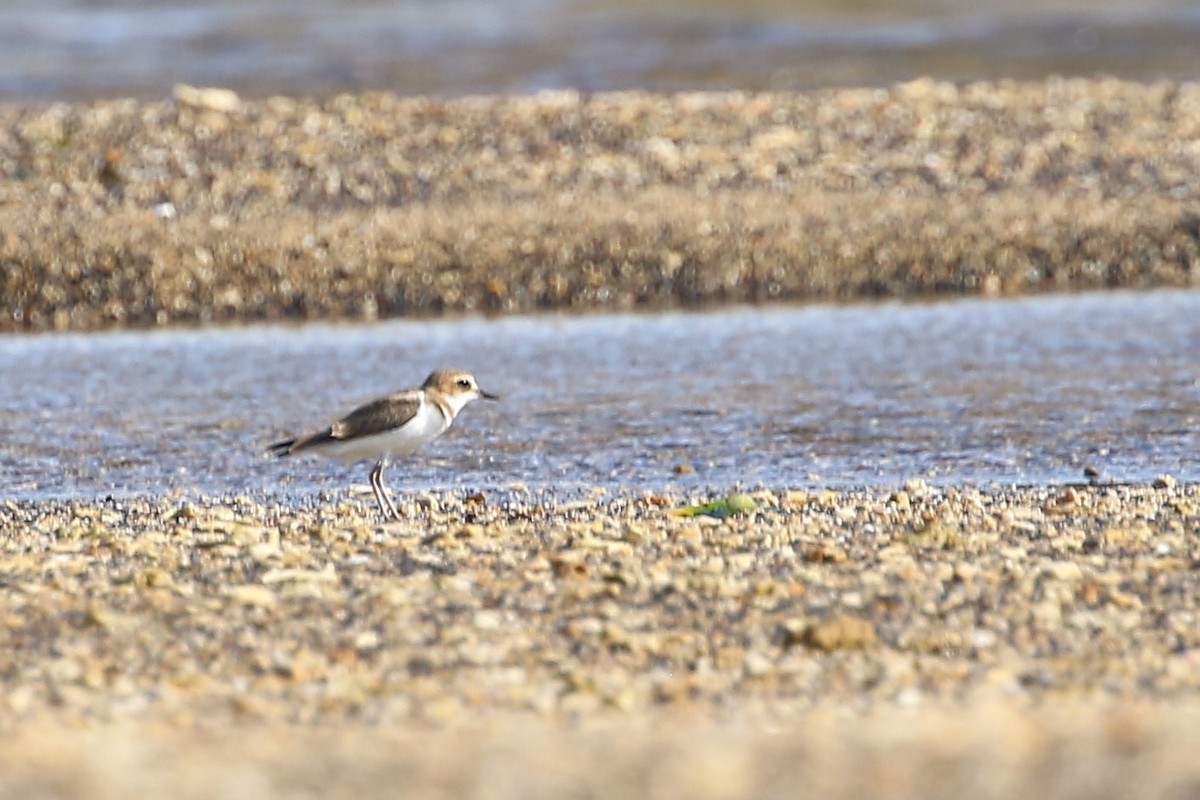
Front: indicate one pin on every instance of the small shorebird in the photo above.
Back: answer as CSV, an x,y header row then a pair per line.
x,y
394,425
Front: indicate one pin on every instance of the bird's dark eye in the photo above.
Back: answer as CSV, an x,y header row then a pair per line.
x,y
464,383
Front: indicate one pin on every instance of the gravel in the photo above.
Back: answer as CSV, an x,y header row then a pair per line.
x,y
947,625
207,207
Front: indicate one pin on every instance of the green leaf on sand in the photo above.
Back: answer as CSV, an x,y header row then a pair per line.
x,y
725,507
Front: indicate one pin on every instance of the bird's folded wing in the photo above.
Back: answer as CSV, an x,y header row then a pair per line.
x,y
378,416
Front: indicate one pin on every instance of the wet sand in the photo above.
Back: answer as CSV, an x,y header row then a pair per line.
x,y
1026,391
209,208
920,642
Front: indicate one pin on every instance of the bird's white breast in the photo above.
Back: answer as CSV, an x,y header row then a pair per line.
x,y
427,424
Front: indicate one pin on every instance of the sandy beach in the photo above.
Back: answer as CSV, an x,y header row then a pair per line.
x,y
855,639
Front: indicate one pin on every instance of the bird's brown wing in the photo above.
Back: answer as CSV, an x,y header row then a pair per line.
x,y
376,416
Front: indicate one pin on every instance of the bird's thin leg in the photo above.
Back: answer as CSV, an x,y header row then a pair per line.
x,y
375,485
386,506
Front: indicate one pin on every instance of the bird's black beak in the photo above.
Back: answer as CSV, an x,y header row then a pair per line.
x,y
488,395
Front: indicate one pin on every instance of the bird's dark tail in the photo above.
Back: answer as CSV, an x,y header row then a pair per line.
x,y
281,449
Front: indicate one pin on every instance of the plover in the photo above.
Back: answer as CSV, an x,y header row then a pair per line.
x,y
394,425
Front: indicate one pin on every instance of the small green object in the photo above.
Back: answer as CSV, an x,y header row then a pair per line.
x,y
725,507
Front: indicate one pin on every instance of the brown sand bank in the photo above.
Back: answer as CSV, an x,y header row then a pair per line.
x,y
924,640
209,208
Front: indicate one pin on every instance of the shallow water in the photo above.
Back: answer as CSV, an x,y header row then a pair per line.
x,y
69,49
1011,391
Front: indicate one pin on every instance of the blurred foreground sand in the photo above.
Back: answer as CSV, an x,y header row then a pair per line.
x,y
983,749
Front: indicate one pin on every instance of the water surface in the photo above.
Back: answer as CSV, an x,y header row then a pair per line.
x,y
1013,391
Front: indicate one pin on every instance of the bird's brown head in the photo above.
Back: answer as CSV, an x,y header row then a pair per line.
x,y
458,386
